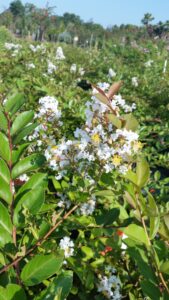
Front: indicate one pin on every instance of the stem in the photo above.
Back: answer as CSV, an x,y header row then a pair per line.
x,y
40,241
152,251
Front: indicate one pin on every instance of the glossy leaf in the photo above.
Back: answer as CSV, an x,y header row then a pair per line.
x,y
32,200
28,164
16,154
24,132
5,192
5,226
5,150
40,268
4,171
136,233
36,180
15,292
21,121
14,103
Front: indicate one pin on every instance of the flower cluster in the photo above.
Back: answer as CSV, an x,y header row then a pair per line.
x,y
98,142
51,67
37,48
67,245
47,114
109,285
13,47
60,54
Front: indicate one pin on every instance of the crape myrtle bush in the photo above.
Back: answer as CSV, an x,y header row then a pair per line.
x,y
78,216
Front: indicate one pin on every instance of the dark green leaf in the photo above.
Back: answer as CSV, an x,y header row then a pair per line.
x,y
3,122
36,180
5,149
60,287
32,200
40,268
5,192
16,154
4,171
24,132
28,164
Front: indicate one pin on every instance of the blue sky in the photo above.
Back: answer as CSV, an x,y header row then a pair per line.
x,y
106,12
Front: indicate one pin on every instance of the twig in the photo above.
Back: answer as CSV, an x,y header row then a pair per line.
x,y
39,242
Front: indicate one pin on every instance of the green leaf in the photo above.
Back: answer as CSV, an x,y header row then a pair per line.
x,y
5,221
151,290
59,288
24,132
130,122
40,268
5,226
154,216
105,193
142,172
21,120
140,257
36,180
131,176
5,149
15,292
108,217
28,164
3,293
3,122
136,233
115,121
102,98
32,200
4,171
88,253
165,267
5,192
14,103
16,154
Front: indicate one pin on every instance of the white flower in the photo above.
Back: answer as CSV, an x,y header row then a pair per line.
x,y
88,207
81,71
59,54
24,177
67,246
11,46
49,108
30,66
51,67
111,73
134,81
148,63
73,68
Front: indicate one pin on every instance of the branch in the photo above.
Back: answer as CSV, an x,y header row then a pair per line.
x,y
39,242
